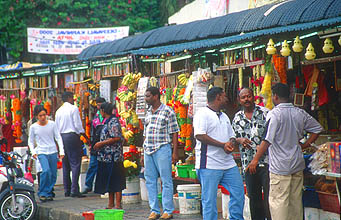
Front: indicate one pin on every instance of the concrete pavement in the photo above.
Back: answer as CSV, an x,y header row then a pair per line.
x,y
67,208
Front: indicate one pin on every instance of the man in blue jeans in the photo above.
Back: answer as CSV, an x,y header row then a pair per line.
x,y
160,130
213,160
96,126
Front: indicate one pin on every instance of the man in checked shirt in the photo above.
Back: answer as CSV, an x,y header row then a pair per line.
x,y
160,131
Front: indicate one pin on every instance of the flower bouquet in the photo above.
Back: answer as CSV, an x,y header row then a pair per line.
x,y
132,163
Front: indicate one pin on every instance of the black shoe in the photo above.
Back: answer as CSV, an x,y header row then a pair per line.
x,y
43,198
86,191
53,195
49,198
77,195
67,194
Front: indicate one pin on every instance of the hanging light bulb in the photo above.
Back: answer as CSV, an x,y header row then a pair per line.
x,y
271,47
285,51
339,41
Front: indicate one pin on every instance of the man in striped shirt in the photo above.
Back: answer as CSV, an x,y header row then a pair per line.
x,y
160,130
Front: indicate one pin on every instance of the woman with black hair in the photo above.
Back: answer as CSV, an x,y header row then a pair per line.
x,y
110,173
42,142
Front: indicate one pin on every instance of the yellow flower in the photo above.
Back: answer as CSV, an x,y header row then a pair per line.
x,y
128,163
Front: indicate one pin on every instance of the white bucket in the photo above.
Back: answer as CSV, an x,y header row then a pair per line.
x,y
144,192
132,192
225,204
219,201
189,198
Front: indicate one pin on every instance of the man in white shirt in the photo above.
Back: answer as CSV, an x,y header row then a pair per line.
x,y
213,160
70,126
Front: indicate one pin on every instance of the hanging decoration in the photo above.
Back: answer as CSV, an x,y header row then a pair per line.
x,y
271,47
297,47
328,46
285,51
16,111
240,78
339,41
266,86
310,52
125,102
280,66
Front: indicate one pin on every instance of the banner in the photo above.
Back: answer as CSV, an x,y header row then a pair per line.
x,y
70,41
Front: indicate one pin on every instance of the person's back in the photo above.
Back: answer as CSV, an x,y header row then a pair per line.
x,y
286,156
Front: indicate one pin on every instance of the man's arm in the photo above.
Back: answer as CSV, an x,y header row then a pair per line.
x,y
312,138
261,150
205,139
175,156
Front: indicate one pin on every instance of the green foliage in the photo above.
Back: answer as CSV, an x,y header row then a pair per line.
x,y
17,15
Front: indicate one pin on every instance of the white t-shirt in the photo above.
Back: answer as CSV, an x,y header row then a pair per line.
x,y
207,121
42,139
68,119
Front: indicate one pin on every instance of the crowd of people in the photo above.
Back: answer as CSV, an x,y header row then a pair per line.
x,y
272,163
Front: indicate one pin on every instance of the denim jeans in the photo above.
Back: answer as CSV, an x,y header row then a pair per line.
x,y
48,176
256,184
231,180
91,173
159,164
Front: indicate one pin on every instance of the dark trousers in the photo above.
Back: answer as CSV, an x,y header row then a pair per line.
x,y
256,184
71,161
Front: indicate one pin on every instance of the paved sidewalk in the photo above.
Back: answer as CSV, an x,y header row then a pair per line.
x,y
67,208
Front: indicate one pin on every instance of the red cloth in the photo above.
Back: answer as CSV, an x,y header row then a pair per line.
x,y
322,91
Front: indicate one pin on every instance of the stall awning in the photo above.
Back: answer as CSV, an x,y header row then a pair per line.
x,y
266,18
18,66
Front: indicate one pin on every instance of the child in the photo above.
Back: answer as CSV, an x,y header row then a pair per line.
x,y
44,133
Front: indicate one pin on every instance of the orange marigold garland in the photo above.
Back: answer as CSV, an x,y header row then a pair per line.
x,y
280,66
16,110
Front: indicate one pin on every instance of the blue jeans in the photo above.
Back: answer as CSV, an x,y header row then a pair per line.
x,y
48,176
159,164
91,173
231,180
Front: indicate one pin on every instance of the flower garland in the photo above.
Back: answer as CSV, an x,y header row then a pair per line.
x,y
16,111
280,66
184,122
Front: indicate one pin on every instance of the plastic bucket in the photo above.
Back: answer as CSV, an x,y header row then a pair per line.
x,y
109,214
189,198
88,215
132,193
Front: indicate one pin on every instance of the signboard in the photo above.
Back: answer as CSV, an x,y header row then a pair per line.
x,y
104,89
70,41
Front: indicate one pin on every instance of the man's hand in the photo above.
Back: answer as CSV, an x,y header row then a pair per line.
x,y
61,157
34,156
175,158
252,167
245,142
228,147
98,146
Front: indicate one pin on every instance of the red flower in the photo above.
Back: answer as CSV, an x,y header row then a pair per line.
x,y
59,23
68,18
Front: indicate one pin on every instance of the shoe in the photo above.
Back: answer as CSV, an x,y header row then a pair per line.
x,y
153,216
165,215
86,191
77,195
53,195
49,198
67,194
43,198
